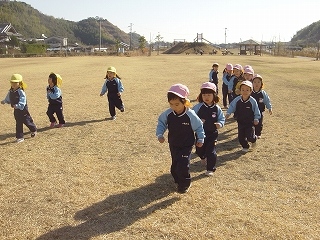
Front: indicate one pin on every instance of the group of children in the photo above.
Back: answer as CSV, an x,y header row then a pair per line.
x,y
16,97
199,125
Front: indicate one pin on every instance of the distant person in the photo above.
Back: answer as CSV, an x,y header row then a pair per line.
x,y
227,75
18,100
213,74
54,96
262,99
213,118
248,115
181,123
234,83
114,87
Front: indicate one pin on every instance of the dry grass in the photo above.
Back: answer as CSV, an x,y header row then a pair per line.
x,y
97,179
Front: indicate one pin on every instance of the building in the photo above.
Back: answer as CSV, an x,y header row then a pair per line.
x,y
7,31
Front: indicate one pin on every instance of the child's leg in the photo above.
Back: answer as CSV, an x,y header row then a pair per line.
x,y
211,155
224,95
28,121
50,113
18,115
112,109
119,104
242,136
59,112
258,128
250,134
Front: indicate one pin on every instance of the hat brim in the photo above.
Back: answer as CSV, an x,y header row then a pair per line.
x,y
179,95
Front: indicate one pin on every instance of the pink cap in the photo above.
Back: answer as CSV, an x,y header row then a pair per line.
x,y
209,85
257,76
180,90
249,70
229,66
238,66
247,83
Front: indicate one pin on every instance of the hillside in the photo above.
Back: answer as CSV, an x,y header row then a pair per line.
x,y
31,24
307,35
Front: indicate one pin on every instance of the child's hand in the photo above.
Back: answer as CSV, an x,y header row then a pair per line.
x,y
256,122
203,120
119,94
3,102
227,116
199,144
270,111
101,94
161,139
217,125
204,161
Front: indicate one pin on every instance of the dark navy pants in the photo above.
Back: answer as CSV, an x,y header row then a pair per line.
x,y
258,128
180,167
225,95
114,102
208,150
246,134
23,117
55,109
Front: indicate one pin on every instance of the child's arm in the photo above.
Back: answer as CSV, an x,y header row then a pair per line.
x,y
224,78
267,102
162,126
230,84
221,118
232,107
56,94
22,100
197,127
256,111
120,86
6,100
104,88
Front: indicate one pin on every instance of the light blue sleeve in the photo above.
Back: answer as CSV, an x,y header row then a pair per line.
x,y
162,123
230,83
56,94
196,125
120,86
232,106
255,108
197,107
224,79
266,100
22,100
210,75
7,99
104,88
221,118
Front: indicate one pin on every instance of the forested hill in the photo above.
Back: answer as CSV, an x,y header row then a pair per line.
x,y
308,35
32,24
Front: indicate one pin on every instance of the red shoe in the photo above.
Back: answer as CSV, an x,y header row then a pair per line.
x,y
53,124
59,125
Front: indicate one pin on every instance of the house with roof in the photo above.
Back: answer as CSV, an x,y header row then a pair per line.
x,y
7,31
252,47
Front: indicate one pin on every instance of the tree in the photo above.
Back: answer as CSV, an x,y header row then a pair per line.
x,y
14,41
158,39
142,43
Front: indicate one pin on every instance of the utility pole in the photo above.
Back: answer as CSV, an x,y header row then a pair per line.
x,y
225,35
130,45
99,19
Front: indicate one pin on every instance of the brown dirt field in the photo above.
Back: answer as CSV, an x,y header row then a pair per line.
x,y
98,179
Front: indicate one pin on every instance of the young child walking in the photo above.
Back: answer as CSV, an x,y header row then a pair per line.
x,y
54,96
234,83
262,99
181,122
248,115
114,87
18,100
213,118
213,74
227,75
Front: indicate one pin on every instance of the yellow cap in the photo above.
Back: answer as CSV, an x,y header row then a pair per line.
x,y
16,78
111,69
59,80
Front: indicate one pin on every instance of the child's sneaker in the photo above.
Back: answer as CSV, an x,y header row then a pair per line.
x,y
258,137
53,124
19,140
33,134
122,109
245,150
60,125
113,118
209,173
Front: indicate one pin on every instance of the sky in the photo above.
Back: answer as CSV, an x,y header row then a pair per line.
x,y
219,21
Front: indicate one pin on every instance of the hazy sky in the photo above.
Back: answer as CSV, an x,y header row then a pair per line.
x,y
265,20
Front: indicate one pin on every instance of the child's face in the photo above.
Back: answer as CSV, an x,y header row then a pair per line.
x,y
176,105
247,76
215,68
111,75
230,72
207,98
50,82
245,91
236,72
15,85
257,84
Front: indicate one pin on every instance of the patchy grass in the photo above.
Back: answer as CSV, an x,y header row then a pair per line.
x,y
98,179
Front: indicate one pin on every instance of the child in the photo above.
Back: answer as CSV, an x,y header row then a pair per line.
x,y
114,87
213,74
248,73
181,123
54,96
213,118
248,115
234,83
262,99
17,98
227,75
